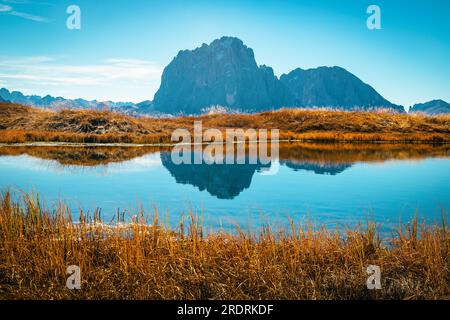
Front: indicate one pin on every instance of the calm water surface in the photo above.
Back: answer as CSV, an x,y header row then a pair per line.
x,y
330,187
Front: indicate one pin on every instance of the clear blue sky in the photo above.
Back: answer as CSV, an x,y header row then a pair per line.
x,y
123,45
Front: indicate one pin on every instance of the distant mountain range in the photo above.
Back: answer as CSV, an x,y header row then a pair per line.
x,y
225,73
59,102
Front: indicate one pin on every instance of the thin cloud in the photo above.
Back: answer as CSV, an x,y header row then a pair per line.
x,y
28,2
5,8
134,78
42,68
6,62
9,10
28,16
16,1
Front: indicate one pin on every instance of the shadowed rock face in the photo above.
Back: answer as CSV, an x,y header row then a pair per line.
x,y
332,87
433,107
225,73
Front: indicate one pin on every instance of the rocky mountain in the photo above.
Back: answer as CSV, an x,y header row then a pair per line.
x,y
332,87
225,73
433,107
145,107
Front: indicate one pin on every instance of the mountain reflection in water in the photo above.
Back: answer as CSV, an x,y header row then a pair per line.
x,y
329,183
227,181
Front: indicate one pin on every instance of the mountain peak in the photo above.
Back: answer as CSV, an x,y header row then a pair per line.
x,y
225,42
228,41
222,73
433,107
439,101
225,73
333,87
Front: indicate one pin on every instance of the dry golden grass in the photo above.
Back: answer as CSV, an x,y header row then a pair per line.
x,y
25,124
148,260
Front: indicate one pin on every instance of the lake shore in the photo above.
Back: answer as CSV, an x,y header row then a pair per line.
x,y
147,260
20,124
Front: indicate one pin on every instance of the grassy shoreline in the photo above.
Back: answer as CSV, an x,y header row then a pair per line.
x,y
20,124
148,260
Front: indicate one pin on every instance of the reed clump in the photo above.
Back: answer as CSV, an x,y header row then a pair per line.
x,y
146,259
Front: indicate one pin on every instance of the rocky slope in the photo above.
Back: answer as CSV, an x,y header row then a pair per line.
x,y
433,107
225,73
332,87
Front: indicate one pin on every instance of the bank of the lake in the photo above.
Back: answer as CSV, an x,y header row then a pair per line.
x,y
20,124
147,260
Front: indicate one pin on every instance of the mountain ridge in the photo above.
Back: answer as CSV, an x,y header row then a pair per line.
x,y
433,107
49,101
333,87
225,73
